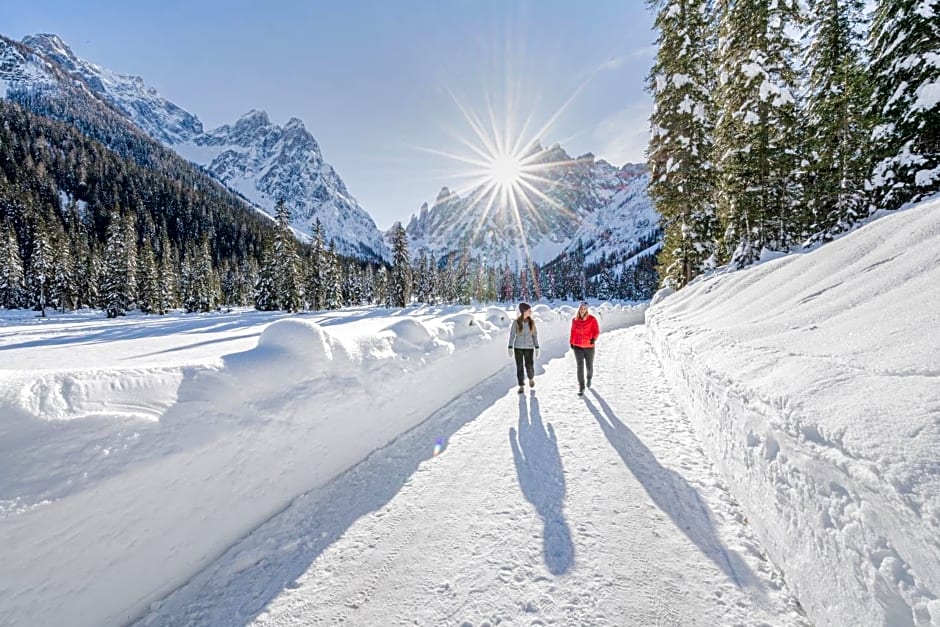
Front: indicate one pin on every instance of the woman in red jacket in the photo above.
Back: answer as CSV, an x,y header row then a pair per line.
x,y
584,332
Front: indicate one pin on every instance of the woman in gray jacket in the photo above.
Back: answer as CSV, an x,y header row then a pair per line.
x,y
524,345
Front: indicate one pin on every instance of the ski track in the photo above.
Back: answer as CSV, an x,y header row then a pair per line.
x,y
543,509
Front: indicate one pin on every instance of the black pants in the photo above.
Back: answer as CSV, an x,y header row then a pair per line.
x,y
524,356
584,356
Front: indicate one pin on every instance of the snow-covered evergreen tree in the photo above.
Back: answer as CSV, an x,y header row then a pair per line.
x,y
381,287
368,285
40,271
115,292
905,72
757,131
92,279
838,128
286,261
401,277
130,247
168,285
148,293
62,288
202,290
313,270
266,288
680,150
12,274
333,278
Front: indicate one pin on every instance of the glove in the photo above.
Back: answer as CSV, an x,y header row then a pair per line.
x,y
537,351
510,352
592,340
572,346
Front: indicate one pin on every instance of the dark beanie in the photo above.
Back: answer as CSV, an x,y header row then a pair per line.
x,y
523,307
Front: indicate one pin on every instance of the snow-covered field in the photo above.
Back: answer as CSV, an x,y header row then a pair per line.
x,y
134,452
814,382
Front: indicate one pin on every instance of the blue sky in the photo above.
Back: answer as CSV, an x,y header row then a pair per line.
x,y
376,81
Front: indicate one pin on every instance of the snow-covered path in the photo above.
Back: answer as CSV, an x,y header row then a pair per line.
x,y
543,508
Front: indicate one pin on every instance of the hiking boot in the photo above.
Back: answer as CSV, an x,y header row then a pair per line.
x,y
580,391
521,389
589,381
531,383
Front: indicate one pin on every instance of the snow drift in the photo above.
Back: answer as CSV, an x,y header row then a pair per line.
x,y
93,534
814,379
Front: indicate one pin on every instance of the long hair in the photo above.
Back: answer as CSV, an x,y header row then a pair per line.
x,y
519,324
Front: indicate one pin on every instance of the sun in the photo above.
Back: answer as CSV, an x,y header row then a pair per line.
x,y
505,172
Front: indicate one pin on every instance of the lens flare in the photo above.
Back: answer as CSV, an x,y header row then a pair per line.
x,y
507,173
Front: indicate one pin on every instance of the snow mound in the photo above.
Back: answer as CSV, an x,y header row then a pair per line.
x,y
143,394
465,326
408,338
813,379
498,316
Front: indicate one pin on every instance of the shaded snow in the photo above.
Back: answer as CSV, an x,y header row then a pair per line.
x,y
814,379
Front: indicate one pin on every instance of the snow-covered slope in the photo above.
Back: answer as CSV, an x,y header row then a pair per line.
x,y
20,67
153,114
581,197
624,225
814,379
260,160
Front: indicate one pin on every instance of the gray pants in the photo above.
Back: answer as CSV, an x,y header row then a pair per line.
x,y
584,356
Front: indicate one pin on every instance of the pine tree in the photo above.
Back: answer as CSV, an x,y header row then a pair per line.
x,y
92,279
266,298
757,131
167,295
837,100
905,72
368,286
40,269
381,287
117,276
313,275
149,291
400,281
287,261
12,276
334,279
130,247
680,150
209,290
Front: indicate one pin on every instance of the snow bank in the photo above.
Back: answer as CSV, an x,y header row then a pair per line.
x,y
117,507
814,379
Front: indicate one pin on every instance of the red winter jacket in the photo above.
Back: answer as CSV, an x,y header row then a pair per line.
x,y
584,332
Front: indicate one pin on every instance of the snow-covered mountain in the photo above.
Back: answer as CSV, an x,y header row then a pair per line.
x,y
153,114
264,162
20,66
260,160
578,198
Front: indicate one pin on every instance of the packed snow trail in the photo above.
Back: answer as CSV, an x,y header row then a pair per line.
x,y
543,508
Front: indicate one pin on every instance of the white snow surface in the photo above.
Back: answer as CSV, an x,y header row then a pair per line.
x,y
542,509
814,380
135,452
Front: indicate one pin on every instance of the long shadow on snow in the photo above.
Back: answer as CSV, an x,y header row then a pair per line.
x,y
237,587
670,492
542,480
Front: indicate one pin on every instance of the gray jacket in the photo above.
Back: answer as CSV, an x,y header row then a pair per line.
x,y
524,338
